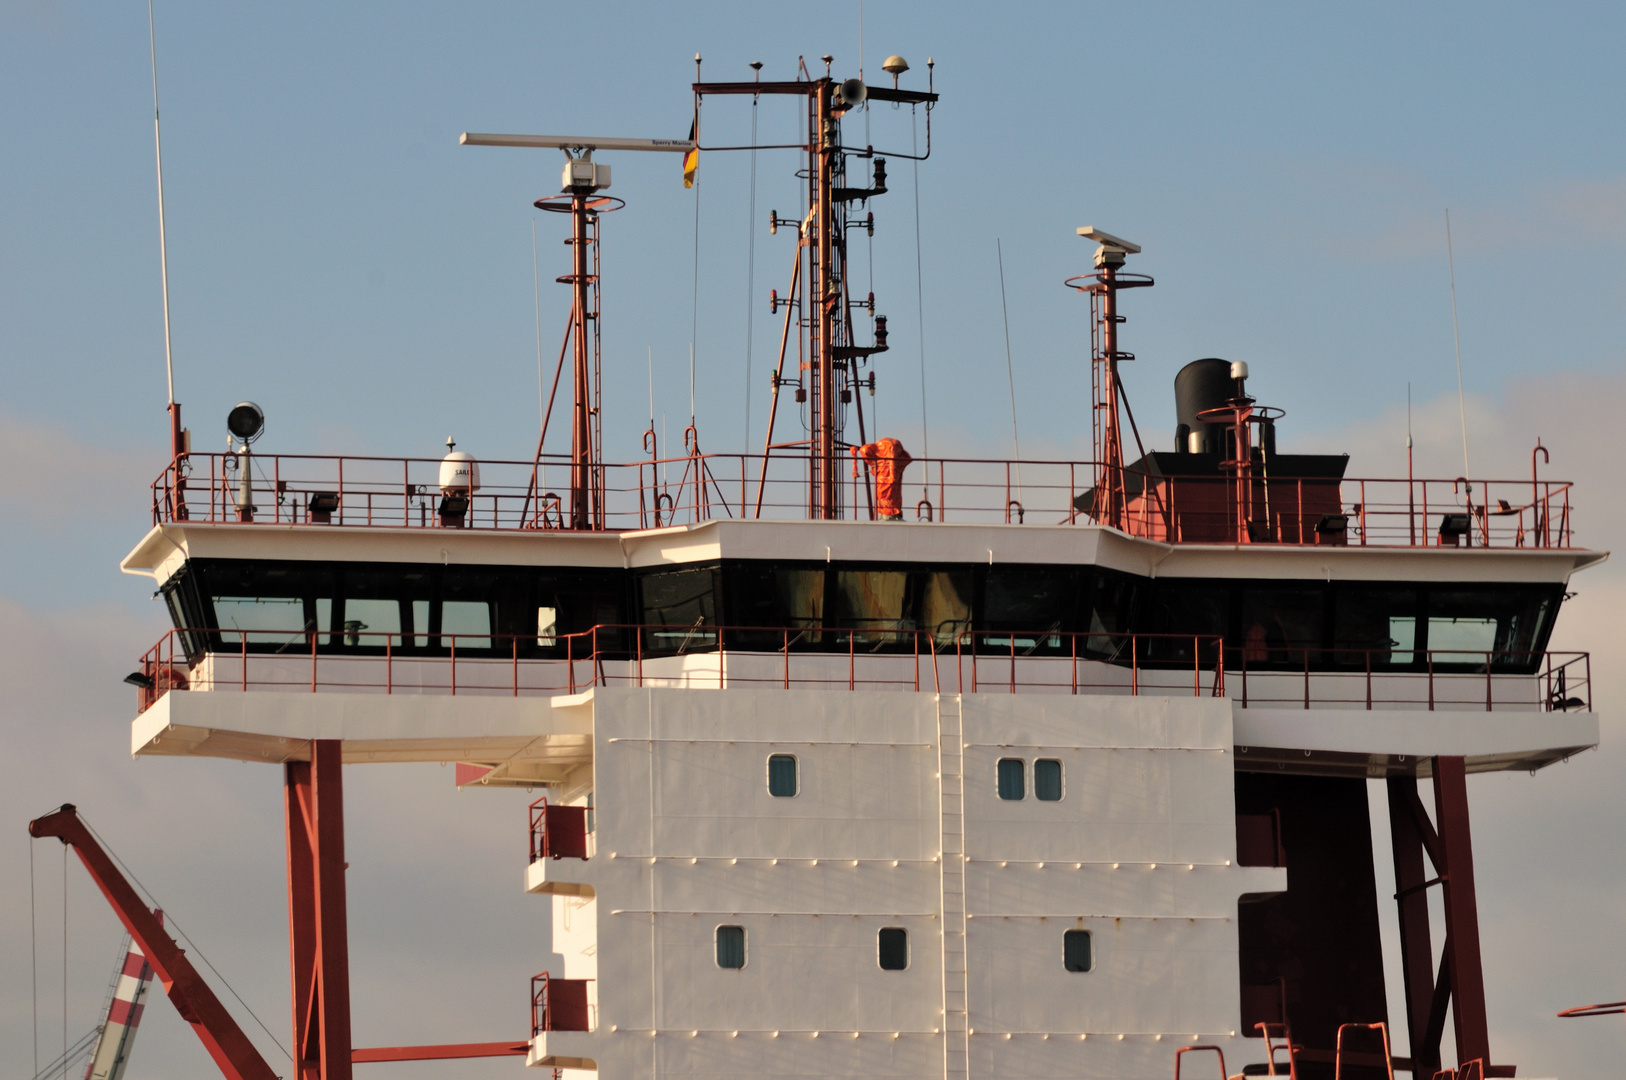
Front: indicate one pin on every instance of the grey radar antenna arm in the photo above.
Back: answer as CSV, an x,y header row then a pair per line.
x,y
580,170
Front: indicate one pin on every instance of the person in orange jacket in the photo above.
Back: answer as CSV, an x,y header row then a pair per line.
x,y
886,459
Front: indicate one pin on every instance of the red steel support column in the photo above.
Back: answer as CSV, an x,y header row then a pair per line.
x,y
1461,911
318,934
1416,950
296,790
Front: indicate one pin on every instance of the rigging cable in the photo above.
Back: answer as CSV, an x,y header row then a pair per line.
x,y
1456,339
170,923
920,315
541,405
1010,369
751,271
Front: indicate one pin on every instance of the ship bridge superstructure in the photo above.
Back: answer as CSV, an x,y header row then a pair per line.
x,y
1048,772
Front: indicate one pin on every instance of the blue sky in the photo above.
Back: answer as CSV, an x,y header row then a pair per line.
x,y
338,258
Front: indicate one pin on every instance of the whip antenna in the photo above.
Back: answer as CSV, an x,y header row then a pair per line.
x,y
176,447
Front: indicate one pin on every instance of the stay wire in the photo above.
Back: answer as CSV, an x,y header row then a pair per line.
x,y
920,313
1010,368
751,275
1456,340
171,923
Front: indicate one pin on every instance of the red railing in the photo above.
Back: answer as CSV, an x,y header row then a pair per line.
x,y
1452,678
712,657
558,832
301,489
731,656
559,1004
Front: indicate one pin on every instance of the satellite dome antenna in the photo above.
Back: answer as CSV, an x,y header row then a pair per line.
x,y
894,66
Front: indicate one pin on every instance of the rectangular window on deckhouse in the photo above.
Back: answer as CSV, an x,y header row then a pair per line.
x,y
731,947
782,776
1012,786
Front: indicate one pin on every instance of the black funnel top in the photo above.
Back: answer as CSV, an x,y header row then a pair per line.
x,y
1201,384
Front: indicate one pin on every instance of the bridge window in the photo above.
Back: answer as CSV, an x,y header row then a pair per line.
x,y
892,946
680,609
270,620
1077,953
1375,622
731,947
782,779
1012,786
1280,624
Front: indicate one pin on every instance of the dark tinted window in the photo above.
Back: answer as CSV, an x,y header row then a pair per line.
x,y
1011,780
782,597
1032,604
1076,951
1374,620
1466,624
782,780
1111,612
680,609
883,607
1281,625
1191,610
892,944
1047,779
731,947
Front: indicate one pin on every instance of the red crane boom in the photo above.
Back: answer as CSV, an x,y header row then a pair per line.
x,y
197,1004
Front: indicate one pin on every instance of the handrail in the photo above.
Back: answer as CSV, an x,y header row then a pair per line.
x,y
388,492
851,658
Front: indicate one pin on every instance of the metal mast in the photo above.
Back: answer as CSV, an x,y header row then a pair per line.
x,y
582,181
820,299
1109,496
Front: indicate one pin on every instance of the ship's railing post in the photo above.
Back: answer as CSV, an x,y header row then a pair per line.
x,y
1074,638
514,641
1368,655
244,637
1430,656
1134,664
1197,665
453,641
313,661
1487,682
1306,678
389,665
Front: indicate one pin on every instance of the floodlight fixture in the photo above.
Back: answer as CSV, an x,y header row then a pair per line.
x,y
246,421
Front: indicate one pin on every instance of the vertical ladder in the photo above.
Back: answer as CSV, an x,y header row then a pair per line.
x,y
951,821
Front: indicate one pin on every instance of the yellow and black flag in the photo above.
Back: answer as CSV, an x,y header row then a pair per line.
x,y
691,160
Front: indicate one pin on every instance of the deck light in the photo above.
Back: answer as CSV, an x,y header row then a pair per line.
x,y
141,679
246,421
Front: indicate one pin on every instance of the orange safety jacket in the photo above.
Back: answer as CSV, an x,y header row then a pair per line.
x,y
886,459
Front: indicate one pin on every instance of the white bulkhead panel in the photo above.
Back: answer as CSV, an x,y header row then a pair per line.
x,y
688,839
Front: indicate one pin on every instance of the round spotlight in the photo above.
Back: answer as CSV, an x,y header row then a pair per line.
x,y
246,421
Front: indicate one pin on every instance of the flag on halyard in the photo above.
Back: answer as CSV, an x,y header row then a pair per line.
x,y
691,160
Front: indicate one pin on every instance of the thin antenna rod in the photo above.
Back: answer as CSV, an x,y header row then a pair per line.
x,y
163,247
1010,369
751,266
1456,337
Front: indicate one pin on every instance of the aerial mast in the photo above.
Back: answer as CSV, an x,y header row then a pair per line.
x,y
1110,496
579,197
820,297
